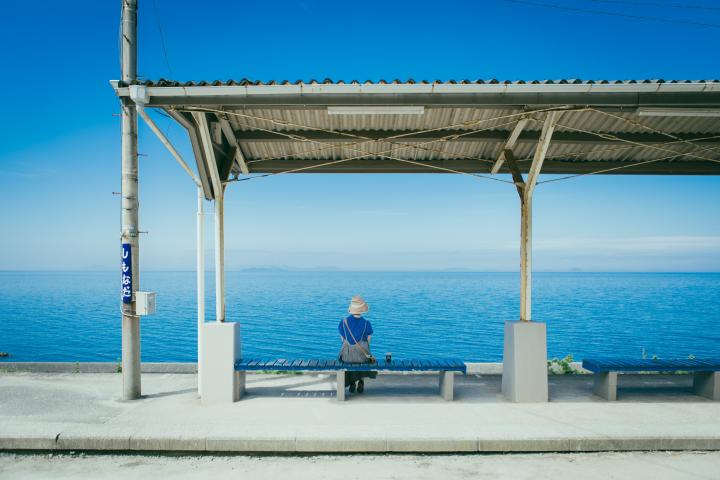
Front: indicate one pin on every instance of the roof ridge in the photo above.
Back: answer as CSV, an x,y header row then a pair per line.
x,y
163,82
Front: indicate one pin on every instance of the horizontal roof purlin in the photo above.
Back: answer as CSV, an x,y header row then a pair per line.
x,y
478,93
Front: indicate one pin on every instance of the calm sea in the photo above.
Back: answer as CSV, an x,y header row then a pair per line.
x,y
74,316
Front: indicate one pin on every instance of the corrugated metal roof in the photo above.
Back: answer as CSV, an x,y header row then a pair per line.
x,y
576,147
327,81
282,126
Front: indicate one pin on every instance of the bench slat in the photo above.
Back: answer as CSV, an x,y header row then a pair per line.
x,y
298,364
650,365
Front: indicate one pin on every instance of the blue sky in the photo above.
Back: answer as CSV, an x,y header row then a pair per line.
x,y
60,155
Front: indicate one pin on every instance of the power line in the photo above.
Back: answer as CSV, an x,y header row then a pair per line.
x,y
162,37
660,5
614,14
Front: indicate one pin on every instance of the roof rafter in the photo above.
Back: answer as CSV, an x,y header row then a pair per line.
x,y
509,144
231,138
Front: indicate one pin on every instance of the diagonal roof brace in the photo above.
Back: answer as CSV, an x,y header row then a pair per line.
x,y
232,139
509,144
206,145
138,94
540,152
525,187
515,171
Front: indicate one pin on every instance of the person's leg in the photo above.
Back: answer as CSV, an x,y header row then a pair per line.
x,y
361,382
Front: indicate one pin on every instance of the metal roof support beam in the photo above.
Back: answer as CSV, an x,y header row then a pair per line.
x,y
610,95
515,171
206,145
405,136
509,144
192,130
218,193
526,216
524,376
140,98
232,140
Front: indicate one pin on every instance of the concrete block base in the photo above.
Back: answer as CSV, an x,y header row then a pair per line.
x,y
525,377
220,383
707,384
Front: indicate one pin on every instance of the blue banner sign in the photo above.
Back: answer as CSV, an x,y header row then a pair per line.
x,y
126,273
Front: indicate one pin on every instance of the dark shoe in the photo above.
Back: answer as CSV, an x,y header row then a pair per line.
x,y
352,387
361,386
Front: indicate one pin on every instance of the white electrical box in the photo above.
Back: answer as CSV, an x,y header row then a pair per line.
x,y
144,303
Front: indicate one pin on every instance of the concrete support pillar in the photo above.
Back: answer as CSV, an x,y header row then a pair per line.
x,y
221,348
130,224
525,352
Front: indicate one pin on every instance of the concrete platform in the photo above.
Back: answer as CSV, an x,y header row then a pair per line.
x,y
397,413
536,466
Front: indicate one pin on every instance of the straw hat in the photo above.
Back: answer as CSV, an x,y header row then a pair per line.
x,y
358,305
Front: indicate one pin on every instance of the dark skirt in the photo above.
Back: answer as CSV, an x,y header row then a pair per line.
x,y
352,377
356,356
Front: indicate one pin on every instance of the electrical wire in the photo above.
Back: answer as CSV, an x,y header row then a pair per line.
x,y
609,136
162,38
613,14
660,5
654,130
605,170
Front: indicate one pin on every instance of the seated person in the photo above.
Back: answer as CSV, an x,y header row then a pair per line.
x,y
355,333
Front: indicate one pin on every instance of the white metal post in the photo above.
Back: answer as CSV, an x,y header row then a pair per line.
x,y
130,205
526,216
200,280
526,258
220,254
219,192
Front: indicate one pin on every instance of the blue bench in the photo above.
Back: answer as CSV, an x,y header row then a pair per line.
x,y
446,367
706,373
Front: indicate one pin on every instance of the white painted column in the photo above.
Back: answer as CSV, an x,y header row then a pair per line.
x,y
200,270
222,346
524,376
526,258
220,254
221,340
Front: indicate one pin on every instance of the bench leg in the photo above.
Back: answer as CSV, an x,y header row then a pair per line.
x,y
707,384
240,382
605,385
447,384
340,386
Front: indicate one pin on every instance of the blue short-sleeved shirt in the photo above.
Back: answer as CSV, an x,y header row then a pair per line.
x,y
361,329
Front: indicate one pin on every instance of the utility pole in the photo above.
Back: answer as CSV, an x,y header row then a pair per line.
x,y
129,217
